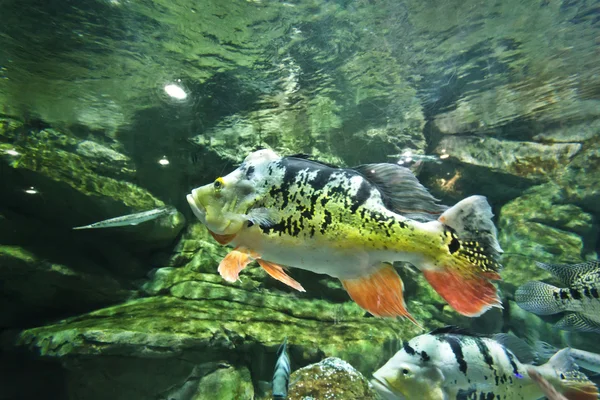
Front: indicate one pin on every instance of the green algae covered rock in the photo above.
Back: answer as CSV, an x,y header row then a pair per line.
x,y
539,226
331,378
529,160
218,324
226,383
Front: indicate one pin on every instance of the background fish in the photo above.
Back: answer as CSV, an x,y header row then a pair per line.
x,y
449,363
351,224
580,296
281,375
131,219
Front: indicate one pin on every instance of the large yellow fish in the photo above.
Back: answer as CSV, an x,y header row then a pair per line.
x,y
351,224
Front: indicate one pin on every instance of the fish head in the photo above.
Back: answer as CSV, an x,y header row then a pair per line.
x,y
405,376
223,205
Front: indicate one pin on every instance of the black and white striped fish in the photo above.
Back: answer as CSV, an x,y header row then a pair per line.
x,y
580,296
281,375
449,364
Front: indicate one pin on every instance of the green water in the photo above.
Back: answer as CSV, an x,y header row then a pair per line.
x,y
113,107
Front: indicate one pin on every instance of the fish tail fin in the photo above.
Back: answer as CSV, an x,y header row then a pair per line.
x,y
380,293
462,277
539,298
574,385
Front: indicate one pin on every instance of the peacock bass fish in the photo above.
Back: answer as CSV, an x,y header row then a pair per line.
x,y
351,224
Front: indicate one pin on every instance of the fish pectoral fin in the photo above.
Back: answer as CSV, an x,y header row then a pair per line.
x,y
222,239
277,272
380,293
470,294
235,261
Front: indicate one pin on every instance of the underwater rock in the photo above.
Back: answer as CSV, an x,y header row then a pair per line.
x,y
331,378
528,160
490,111
540,226
225,383
35,290
223,321
50,175
581,178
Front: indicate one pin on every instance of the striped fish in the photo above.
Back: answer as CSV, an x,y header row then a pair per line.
x,y
281,375
449,364
351,224
580,297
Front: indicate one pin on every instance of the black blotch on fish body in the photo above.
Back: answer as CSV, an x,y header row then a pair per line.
x,y
327,219
594,292
456,348
485,352
511,359
424,356
408,349
363,193
575,294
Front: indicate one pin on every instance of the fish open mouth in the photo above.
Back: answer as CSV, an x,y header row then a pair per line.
x,y
384,391
197,210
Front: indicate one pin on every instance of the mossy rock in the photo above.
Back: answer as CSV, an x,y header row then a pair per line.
x,y
331,378
539,226
223,323
524,159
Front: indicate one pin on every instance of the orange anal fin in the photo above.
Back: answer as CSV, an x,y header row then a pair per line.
x,y
469,295
222,239
380,293
278,273
234,262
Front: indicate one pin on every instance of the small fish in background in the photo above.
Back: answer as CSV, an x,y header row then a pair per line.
x,y
584,359
131,219
351,224
281,375
580,297
450,363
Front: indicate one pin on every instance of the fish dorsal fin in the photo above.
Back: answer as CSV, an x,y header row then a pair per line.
x,y
518,347
401,191
454,330
568,273
562,361
282,347
307,157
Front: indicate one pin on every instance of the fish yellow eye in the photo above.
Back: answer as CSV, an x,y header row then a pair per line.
x,y
219,183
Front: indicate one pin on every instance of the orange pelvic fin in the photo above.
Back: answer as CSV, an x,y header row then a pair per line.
x,y
222,239
380,293
468,294
234,262
278,273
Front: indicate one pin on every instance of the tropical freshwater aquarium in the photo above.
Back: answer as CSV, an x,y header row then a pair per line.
x,y
301,199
